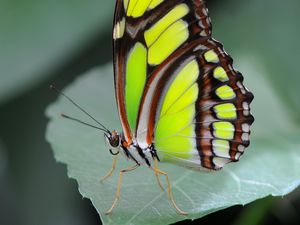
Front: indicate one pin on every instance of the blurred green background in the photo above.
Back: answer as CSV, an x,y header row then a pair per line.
x,y
44,42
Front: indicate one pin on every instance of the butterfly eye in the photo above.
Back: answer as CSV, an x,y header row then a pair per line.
x,y
114,141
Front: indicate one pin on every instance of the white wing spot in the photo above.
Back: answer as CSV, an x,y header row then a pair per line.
x,y
245,127
241,87
119,29
241,148
246,108
245,136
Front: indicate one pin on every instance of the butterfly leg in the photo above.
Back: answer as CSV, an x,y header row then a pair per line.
x,y
156,170
157,174
119,187
110,172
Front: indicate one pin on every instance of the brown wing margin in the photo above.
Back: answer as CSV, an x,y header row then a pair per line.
x,y
119,61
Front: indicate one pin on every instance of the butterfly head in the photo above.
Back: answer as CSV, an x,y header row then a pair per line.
x,y
113,141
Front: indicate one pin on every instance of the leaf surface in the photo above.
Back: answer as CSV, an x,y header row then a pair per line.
x,y
270,165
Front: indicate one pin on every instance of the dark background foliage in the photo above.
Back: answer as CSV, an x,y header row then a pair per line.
x,y
44,42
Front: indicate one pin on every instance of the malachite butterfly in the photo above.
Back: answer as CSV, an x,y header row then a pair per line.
x,y
179,98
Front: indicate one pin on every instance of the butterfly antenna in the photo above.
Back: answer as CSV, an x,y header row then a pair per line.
x,y
82,122
52,87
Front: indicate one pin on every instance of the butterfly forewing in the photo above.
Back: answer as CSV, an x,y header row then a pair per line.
x,y
176,87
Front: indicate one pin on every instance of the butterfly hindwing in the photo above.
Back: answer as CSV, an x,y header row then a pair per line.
x,y
204,122
176,87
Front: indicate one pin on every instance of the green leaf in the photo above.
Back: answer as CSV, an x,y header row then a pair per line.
x,y
38,36
269,167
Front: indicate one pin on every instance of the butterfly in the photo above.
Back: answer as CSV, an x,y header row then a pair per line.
x,y
179,98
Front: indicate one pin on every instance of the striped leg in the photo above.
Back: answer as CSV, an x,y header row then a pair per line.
x,y
119,187
110,172
170,194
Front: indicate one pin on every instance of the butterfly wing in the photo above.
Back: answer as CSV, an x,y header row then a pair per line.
x,y
140,48
130,60
176,87
204,121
